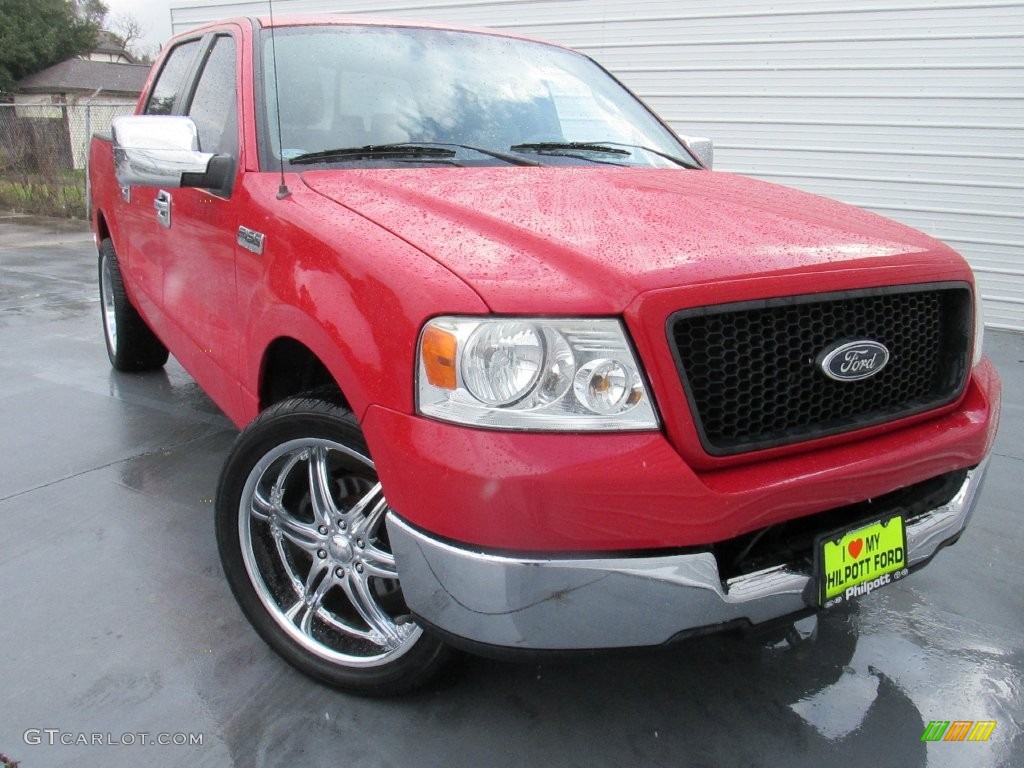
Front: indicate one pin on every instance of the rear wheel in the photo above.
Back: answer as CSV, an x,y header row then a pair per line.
x,y
302,537
131,345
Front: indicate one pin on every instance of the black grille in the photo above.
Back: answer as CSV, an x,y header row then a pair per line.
x,y
792,542
750,369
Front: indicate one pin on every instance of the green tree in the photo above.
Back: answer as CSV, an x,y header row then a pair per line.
x,y
36,34
94,11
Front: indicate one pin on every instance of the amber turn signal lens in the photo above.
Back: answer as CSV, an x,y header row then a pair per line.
x,y
438,350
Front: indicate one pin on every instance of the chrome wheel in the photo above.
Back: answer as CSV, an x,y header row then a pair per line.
x,y
107,298
302,534
131,345
314,544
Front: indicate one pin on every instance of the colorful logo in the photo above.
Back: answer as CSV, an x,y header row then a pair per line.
x,y
958,730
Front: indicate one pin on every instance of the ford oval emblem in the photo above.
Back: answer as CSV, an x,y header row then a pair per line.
x,y
853,360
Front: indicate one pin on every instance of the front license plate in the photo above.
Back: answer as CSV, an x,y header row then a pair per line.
x,y
857,562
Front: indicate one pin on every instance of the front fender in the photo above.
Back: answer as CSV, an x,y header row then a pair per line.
x,y
349,290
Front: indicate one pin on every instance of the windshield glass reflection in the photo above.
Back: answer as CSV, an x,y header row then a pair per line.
x,y
352,86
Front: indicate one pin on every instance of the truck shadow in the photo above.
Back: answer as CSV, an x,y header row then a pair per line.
x,y
729,700
734,699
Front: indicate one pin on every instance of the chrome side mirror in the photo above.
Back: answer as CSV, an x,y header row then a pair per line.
x,y
163,151
702,147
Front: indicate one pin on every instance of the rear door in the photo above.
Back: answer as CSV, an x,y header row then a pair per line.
x,y
144,252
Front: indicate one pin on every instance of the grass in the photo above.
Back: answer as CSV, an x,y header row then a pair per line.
x,y
62,195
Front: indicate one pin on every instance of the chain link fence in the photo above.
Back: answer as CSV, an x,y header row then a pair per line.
x,y
44,154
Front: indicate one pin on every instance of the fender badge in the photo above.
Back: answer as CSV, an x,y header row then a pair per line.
x,y
251,240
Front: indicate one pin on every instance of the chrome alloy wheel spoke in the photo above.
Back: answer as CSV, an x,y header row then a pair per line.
x,y
262,508
377,562
302,612
317,569
366,514
303,535
383,630
325,511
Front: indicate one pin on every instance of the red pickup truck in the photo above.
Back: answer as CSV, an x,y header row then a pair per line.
x,y
514,368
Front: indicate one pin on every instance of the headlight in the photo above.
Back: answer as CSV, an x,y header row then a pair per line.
x,y
502,362
979,329
532,374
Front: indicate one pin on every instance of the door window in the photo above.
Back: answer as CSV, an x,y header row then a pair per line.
x,y
214,107
172,80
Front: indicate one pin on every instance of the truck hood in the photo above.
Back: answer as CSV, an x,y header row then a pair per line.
x,y
589,240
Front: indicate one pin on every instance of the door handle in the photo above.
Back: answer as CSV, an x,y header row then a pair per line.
x,y
162,203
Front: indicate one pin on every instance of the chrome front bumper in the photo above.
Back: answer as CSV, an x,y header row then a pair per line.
x,y
614,602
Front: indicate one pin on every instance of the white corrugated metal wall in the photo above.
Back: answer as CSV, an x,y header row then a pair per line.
x,y
912,109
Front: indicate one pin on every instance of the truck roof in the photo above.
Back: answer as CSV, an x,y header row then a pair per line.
x,y
339,19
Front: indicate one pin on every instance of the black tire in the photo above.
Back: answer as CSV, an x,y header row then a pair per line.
x,y
301,534
131,345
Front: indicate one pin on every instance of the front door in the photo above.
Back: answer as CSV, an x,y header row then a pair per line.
x,y
199,274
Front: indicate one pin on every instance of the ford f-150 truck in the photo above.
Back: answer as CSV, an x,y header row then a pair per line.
x,y
514,368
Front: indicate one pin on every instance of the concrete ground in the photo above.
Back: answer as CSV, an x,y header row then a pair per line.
x,y
115,619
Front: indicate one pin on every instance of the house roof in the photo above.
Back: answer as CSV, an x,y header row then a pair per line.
x,y
107,42
81,76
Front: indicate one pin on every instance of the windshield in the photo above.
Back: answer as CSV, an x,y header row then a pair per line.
x,y
344,87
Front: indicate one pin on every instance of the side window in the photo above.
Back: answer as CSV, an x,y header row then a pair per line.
x,y
172,79
214,108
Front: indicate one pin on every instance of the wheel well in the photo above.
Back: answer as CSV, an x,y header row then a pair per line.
x,y
289,369
102,230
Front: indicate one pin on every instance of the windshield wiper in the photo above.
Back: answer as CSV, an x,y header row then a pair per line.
x,y
576,149
666,155
512,159
607,147
373,151
428,150
556,146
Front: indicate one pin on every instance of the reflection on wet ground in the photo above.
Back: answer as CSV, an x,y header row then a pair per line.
x,y
117,618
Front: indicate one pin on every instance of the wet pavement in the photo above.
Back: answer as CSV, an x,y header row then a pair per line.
x,y
116,621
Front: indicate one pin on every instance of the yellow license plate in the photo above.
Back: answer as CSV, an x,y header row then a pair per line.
x,y
855,563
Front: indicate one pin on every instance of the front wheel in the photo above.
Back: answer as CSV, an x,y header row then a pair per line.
x,y
301,533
